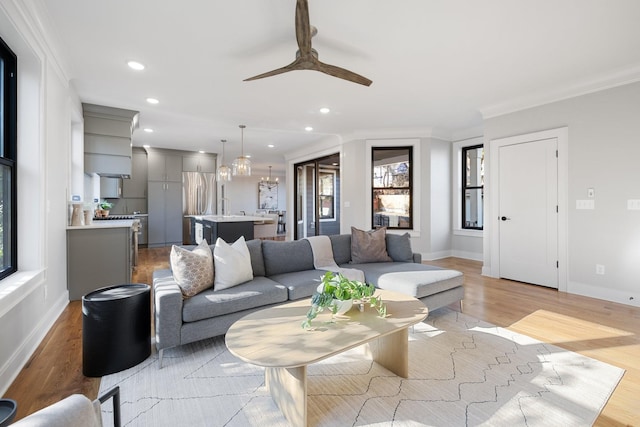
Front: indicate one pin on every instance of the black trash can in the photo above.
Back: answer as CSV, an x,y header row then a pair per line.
x,y
116,328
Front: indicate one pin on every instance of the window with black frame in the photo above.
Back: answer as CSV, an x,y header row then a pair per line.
x,y
473,187
327,182
392,186
8,148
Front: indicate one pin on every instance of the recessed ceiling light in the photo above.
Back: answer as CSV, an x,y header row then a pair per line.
x,y
152,101
135,65
308,128
325,110
270,145
148,130
201,151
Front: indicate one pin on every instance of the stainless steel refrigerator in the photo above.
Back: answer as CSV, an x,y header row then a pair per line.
x,y
198,197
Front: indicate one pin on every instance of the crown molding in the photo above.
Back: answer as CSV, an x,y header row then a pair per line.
x,y
395,133
618,78
32,21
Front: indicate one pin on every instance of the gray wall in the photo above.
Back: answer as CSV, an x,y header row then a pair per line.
x,y
604,151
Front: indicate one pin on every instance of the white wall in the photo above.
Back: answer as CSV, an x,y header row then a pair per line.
x,y
242,192
604,148
32,299
432,192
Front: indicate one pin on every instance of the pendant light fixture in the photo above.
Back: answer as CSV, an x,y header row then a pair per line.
x,y
223,174
242,164
268,181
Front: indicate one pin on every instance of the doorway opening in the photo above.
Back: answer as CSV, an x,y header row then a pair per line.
x,y
317,197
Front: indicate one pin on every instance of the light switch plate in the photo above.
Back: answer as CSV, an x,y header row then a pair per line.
x,y
633,204
585,204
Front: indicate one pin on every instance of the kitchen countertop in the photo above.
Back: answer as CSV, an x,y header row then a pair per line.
x,y
110,223
231,218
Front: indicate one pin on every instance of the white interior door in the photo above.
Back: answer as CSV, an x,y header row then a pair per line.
x,y
528,218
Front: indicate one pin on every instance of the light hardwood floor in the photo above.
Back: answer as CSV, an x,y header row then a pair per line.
x,y
599,329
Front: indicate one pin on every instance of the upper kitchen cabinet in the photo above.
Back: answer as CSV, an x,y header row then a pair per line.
x,y
110,188
164,166
199,162
136,187
107,140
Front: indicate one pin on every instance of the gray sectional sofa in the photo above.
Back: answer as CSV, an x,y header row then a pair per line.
x,y
284,271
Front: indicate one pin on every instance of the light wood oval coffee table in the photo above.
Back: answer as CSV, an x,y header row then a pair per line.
x,y
273,338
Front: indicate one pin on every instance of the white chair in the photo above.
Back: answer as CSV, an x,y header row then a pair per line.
x,y
74,411
267,229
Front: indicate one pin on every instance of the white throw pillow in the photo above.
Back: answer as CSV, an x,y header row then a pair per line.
x,y
232,262
192,270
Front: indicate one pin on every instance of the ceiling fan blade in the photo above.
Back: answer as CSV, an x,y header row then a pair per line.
x,y
295,65
303,27
342,73
307,58
269,73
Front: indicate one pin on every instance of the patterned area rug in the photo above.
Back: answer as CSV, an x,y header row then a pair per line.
x,y
463,372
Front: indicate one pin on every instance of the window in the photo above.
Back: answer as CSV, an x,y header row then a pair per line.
x,y
327,182
472,187
392,187
8,148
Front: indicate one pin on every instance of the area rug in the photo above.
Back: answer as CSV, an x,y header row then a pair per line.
x,y
463,372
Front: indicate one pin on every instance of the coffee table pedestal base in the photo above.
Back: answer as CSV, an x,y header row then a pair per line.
x,y
288,388
392,352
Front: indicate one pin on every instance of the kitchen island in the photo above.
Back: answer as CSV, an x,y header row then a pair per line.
x,y
228,227
98,255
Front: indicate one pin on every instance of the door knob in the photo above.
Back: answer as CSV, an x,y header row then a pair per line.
x,y
504,218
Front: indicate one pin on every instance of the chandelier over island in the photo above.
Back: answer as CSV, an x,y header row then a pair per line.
x,y
269,180
223,174
242,165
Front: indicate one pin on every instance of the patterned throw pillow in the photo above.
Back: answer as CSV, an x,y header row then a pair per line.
x,y
193,270
369,246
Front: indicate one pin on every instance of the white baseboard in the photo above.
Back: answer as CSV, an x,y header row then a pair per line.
x,y
432,256
603,293
475,256
9,372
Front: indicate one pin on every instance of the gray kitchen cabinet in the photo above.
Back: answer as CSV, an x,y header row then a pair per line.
x,y
107,139
97,257
165,213
110,188
162,166
136,186
199,162
164,197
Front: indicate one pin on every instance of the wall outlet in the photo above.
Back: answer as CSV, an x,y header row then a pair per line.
x,y
599,269
591,193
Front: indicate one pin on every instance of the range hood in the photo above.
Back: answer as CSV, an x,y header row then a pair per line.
x,y
107,140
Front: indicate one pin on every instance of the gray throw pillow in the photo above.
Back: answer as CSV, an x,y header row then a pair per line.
x,y
369,246
399,247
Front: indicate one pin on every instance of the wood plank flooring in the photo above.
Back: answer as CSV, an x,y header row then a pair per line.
x,y
599,329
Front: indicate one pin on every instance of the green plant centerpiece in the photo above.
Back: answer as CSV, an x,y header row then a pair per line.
x,y
335,288
104,205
